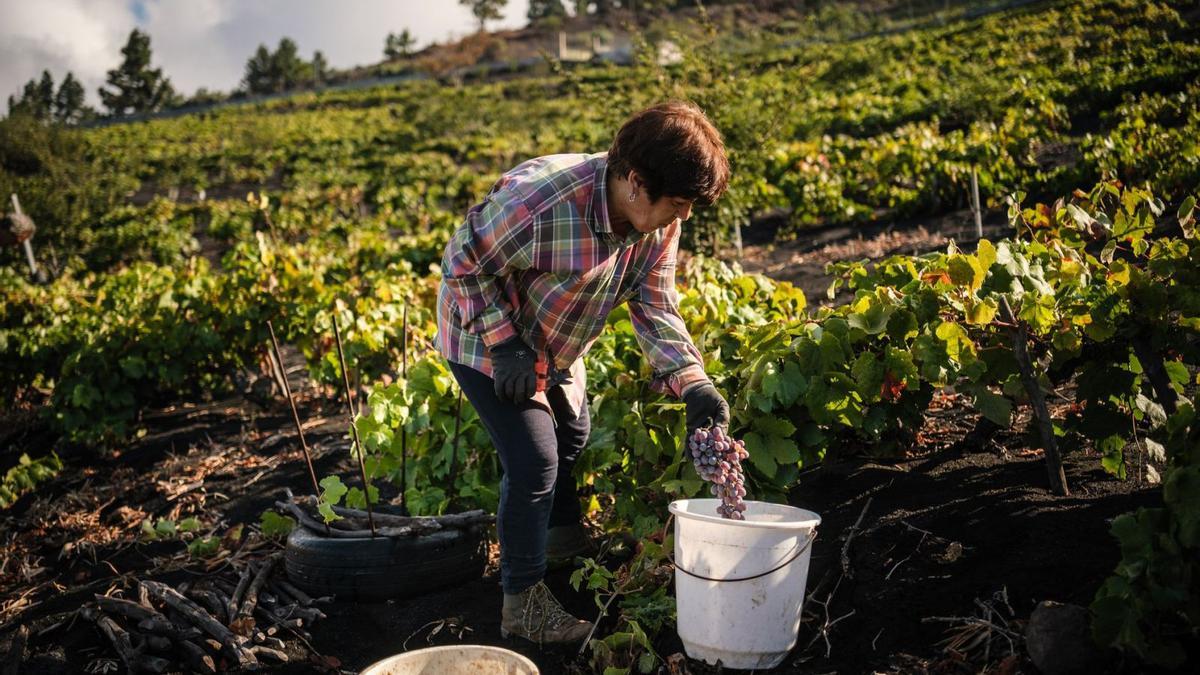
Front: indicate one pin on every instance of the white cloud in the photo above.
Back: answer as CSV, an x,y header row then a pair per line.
x,y
59,35
205,43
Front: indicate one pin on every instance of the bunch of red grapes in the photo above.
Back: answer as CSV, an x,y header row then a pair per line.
x,y
718,459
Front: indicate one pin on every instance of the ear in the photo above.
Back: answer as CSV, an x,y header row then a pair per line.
x,y
635,180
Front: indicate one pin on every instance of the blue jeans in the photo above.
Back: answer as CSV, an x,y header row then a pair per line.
x,y
537,490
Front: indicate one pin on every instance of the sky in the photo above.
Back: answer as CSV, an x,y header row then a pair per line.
x,y
205,43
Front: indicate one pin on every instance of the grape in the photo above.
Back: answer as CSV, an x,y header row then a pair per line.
x,y
718,460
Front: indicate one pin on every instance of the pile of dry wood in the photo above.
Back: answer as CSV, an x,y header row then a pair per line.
x,y
354,522
216,624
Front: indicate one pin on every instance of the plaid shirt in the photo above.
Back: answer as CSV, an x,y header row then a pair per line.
x,y
538,258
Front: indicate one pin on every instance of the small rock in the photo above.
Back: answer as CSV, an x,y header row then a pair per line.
x,y
1059,640
953,552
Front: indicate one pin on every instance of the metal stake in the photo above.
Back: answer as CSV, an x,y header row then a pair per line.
x,y
287,389
337,333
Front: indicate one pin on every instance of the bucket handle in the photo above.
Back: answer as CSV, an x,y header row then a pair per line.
x,y
801,548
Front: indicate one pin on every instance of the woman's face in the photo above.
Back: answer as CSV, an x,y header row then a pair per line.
x,y
647,216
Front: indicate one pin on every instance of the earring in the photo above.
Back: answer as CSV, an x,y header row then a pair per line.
x,y
632,196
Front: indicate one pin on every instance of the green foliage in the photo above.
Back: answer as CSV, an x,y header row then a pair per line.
x,y
418,414
204,547
25,476
166,528
639,591
274,525
1151,604
186,530
332,491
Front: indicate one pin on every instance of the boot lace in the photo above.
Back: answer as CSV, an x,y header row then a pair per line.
x,y
541,611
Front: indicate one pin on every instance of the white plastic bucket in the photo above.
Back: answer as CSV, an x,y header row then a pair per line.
x,y
454,660
746,613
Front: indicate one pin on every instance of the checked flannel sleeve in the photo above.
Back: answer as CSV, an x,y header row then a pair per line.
x,y
660,330
495,240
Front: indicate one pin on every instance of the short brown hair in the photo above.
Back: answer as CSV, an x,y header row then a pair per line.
x,y
675,149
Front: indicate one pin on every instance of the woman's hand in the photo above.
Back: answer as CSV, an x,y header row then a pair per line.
x,y
705,407
514,370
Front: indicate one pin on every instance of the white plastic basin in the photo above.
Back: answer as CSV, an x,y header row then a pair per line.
x,y
454,660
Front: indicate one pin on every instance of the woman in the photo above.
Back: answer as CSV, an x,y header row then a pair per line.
x,y
528,280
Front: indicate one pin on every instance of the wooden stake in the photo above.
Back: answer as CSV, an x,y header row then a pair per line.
x,y
404,427
976,207
287,390
25,244
337,333
454,449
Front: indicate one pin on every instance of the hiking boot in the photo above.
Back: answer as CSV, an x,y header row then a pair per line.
x,y
536,615
565,542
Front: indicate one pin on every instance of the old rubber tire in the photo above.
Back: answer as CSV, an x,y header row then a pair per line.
x,y
384,567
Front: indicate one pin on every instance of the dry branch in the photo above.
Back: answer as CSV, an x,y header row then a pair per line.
x,y
300,596
196,658
210,601
263,650
157,643
850,537
231,643
252,591
135,661
127,609
231,607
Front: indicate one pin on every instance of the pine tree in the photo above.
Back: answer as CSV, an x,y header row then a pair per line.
x,y
68,103
135,86
406,42
37,99
258,78
45,96
269,72
399,46
320,67
485,10
288,70
541,10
